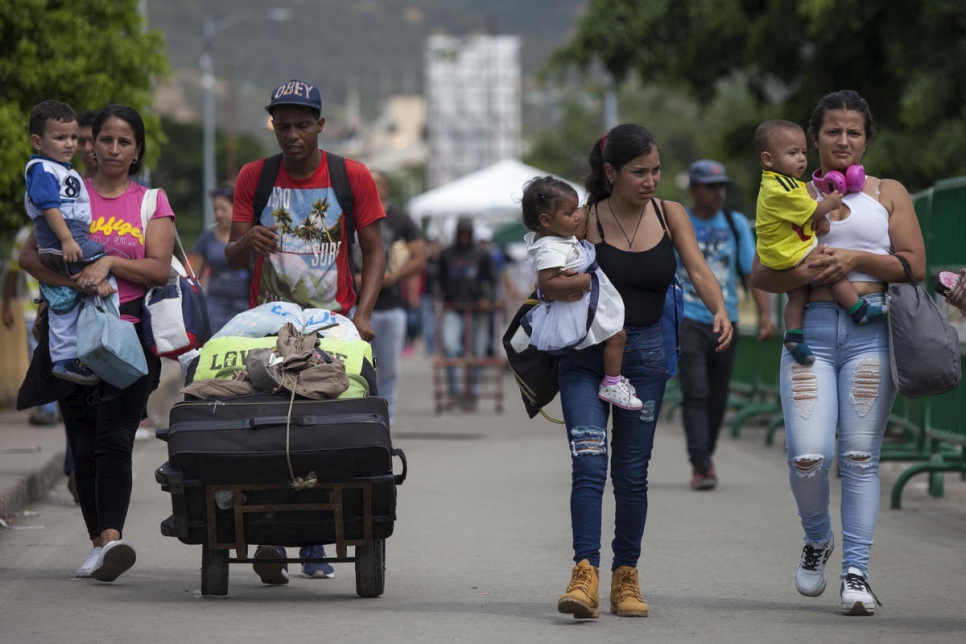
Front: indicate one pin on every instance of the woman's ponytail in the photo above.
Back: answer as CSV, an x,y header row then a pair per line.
x,y
596,183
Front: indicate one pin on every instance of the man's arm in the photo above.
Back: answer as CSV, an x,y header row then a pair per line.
x,y
416,262
487,280
373,269
9,289
766,327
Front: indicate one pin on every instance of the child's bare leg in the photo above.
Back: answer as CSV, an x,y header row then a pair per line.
x,y
860,310
794,339
614,354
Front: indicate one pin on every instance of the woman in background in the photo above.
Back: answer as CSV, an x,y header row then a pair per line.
x,y
226,289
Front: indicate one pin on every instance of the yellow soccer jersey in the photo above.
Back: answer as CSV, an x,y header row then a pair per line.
x,y
783,221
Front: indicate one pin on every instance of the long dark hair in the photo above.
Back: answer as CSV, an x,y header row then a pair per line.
x,y
620,145
130,116
845,99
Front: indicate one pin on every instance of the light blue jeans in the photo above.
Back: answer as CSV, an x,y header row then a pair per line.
x,y
387,346
850,386
632,439
453,334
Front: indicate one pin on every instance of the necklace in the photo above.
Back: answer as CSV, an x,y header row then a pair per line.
x,y
640,218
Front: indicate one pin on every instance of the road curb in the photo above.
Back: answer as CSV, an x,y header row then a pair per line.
x,y
32,487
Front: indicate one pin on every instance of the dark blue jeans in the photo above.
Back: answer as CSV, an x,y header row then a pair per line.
x,y
630,444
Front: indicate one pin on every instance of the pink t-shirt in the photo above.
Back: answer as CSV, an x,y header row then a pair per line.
x,y
116,223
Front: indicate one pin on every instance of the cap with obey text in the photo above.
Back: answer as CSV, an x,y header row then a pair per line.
x,y
296,92
707,171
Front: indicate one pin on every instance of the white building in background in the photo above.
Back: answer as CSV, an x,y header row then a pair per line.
x,y
396,139
473,104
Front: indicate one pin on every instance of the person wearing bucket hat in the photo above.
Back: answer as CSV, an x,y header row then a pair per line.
x,y
728,246
301,241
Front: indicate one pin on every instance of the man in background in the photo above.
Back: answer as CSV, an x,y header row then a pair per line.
x,y
405,257
468,288
314,274
704,373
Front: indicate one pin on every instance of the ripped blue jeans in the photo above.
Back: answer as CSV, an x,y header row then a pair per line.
x,y
632,438
850,386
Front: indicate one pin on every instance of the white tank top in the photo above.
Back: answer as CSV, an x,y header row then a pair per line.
x,y
866,228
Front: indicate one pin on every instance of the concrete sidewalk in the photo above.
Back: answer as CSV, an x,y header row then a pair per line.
x,y
32,457
481,552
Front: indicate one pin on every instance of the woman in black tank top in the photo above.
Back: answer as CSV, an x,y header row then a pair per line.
x,y
635,237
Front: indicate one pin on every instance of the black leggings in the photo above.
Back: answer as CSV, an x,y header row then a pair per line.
x,y
102,440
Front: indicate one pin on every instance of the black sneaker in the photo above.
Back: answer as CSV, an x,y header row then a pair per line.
x,y
268,567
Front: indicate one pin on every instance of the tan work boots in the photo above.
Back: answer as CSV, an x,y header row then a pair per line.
x,y
582,599
625,594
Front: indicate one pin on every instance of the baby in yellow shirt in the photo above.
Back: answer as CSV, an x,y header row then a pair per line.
x,y
788,222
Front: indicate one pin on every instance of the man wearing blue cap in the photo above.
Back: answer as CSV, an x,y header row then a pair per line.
x,y
728,245
301,239
289,266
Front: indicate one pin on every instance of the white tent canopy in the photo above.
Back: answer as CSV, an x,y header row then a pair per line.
x,y
492,194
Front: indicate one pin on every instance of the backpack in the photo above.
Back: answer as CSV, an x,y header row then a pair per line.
x,y
337,177
535,371
742,278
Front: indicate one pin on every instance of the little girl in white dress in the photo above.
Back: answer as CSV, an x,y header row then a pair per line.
x,y
564,264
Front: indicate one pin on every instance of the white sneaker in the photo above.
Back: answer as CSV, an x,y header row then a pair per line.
x,y
810,576
88,566
115,558
857,596
620,394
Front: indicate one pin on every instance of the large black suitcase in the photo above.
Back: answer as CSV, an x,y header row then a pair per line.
x,y
231,466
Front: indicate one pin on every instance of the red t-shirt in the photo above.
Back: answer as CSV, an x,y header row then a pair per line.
x,y
311,268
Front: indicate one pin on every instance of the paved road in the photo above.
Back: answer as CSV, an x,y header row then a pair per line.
x,y
482,551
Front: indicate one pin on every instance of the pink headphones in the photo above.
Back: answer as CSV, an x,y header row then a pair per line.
x,y
852,181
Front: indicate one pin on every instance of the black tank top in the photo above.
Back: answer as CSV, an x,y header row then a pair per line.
x,y
641,277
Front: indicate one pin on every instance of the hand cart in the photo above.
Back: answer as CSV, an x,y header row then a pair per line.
x,y
230,474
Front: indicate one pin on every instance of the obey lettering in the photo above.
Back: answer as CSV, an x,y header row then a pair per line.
x,y
294,88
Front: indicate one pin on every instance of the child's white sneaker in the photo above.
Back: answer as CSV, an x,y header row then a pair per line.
x,y
620,394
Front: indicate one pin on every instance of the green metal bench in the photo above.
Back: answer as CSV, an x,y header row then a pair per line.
x,y
765,398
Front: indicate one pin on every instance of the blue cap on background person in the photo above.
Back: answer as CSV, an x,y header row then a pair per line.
x,y
707,171
296,92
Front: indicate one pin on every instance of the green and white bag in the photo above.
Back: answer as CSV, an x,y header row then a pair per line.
x,y
222,357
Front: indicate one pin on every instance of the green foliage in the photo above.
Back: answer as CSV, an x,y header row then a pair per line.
x,y
684,130
180,170
904,57
86,53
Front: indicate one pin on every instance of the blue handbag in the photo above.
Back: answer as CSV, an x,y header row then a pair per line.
x,y
673,308
671,324
108,345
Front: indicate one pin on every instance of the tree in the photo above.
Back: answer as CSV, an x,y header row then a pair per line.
x,y
684,130
904,56
86,53
179,171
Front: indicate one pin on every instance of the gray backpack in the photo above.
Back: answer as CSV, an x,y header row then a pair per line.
x,y
923,347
